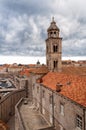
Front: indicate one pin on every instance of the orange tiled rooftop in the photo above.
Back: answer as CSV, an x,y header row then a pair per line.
x,y
26,72
74,70
73,86
3,126
40,70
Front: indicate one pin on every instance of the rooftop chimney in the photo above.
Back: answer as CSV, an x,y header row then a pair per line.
x,y
58,87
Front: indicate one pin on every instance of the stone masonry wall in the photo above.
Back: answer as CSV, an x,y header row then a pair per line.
x,y
7,104
49,103
71,110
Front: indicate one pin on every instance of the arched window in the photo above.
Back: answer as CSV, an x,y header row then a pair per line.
x,y
55,48
55,64
54,34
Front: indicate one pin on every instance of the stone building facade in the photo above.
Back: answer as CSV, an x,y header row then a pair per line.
x,y
68,114
60,111
53,48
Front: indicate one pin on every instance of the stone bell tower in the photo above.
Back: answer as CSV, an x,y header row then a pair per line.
x,y
53,48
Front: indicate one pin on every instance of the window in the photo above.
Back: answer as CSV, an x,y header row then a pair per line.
x,y
79,122
37,89
54,34
62,109
55,48
43,94
55,64
50,99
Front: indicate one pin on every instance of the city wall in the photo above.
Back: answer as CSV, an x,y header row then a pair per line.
x,y
7,104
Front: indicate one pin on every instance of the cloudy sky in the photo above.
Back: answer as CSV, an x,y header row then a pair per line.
x,y
23,25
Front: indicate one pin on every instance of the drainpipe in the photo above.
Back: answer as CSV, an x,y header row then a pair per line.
x,y
53,107
84,117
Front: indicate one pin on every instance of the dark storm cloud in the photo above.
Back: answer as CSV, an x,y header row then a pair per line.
x,y
30,7
24,23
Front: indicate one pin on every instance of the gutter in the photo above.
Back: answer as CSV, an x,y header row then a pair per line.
x,y
53,108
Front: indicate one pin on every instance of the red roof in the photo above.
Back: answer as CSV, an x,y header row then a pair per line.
x,y
72,86
25,72
3,126
74,70
32,65
40,70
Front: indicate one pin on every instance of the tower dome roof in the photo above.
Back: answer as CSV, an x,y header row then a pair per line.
x,y
53,26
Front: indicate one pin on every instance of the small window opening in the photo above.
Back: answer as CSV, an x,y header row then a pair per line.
x,y
55,48
55,64
43,93
50,99
79,122
62,109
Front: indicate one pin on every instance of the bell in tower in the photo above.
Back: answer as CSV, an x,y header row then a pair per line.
x,y
53,30
53,48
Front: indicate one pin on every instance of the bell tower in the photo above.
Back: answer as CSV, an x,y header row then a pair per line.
x,y
53,48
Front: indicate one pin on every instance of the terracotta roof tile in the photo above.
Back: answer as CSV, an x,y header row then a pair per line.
x,y
32,65
26,72
40,70
80,70
3,126
73,86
